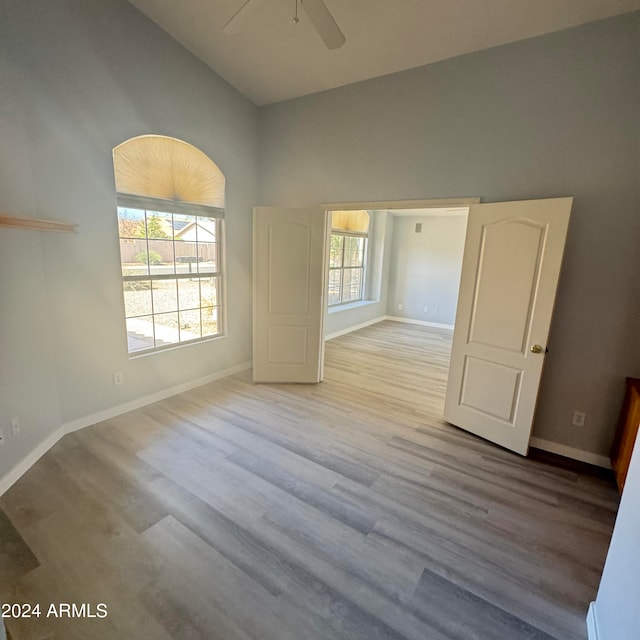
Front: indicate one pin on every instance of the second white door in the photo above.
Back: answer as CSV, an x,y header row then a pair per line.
x,y
512,258
290,265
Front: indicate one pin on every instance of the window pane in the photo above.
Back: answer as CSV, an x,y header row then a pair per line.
x,y
137,298
207,257
182,224
140,333
207,230
166,328
165,296
184,228
353,251
334,286
351,285
190,324
131,223
188,294
210,321
159,225
335,253
186,257
133,254
209,292
161,256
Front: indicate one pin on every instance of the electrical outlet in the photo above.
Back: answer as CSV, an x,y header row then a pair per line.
x,y
15,425
400,307
426,309
1,437
436,311
578,418
118,378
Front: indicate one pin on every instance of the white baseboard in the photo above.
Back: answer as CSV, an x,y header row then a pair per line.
x,y
422,323
570,452
592,623
355,327
112,412
7,481
86,421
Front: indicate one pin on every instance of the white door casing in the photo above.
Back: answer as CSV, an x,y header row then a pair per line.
x,y
511,266
289,276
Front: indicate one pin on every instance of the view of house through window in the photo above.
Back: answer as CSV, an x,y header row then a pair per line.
x,y
347,256
171,254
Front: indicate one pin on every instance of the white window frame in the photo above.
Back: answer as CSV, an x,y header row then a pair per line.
x,y
342,269
158,205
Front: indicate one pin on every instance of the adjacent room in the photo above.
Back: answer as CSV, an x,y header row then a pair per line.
x,y
410,260
319,319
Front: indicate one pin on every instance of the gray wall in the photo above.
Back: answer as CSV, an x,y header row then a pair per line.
x,y
425,267
552,116
28,380
78,78
617,610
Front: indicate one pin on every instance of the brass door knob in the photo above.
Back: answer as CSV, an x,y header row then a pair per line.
x,y
536,348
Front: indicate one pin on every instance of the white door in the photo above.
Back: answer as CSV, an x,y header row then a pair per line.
x,y
289,282
512,258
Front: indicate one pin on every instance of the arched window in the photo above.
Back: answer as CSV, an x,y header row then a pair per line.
x,y
170,222
349,232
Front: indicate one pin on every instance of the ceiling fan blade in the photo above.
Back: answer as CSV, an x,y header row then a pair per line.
x,y
242,16
324,23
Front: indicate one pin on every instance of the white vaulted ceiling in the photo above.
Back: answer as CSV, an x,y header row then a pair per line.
x,y
273,59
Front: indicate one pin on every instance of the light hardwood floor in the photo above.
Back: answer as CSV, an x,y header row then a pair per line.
x,y
343,510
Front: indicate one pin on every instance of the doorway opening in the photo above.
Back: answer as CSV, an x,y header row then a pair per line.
x,y
511,259
406,262
409,273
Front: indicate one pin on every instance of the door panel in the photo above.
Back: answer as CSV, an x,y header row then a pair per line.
x,y
477,396
289,282
511,265
289,288
517,243
288,345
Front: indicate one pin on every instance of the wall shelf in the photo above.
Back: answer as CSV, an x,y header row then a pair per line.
x,y
35,224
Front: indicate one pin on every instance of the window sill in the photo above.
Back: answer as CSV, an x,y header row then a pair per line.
x,y
351,305
133,355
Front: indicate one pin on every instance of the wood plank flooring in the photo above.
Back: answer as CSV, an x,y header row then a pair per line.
x,y
344,510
